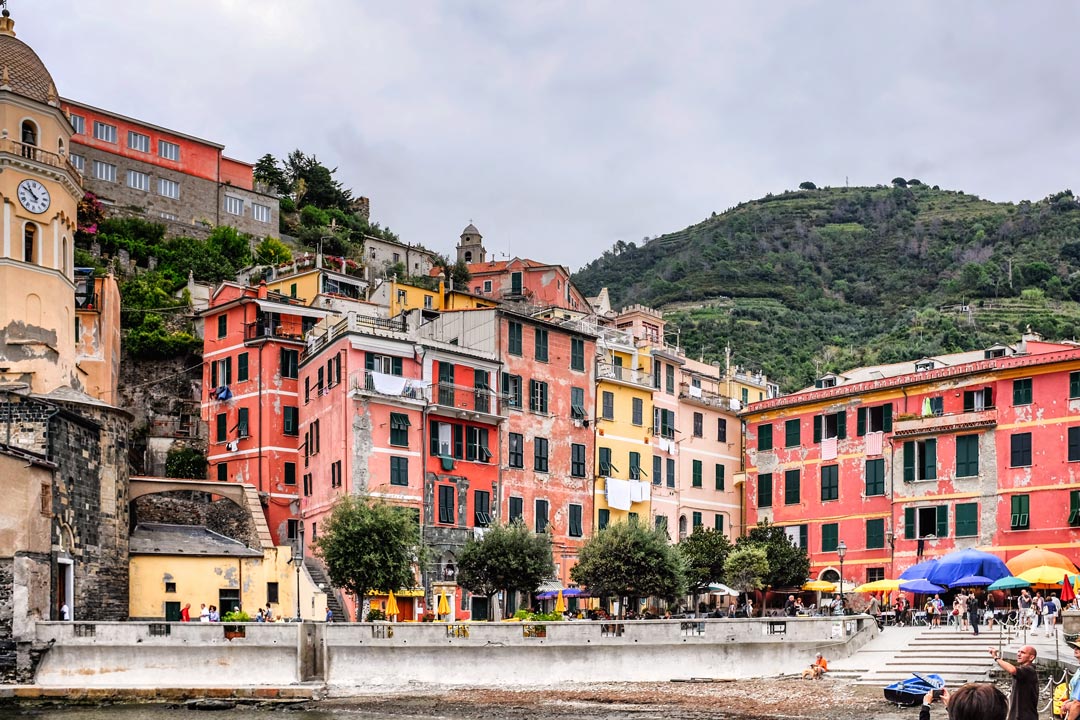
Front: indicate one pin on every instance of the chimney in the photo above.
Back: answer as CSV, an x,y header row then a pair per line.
x,y
262,289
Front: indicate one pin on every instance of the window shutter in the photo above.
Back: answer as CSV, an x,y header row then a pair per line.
x,y
841,425
802,537
942,521
395,366
886,418
909,461
860,422
909,523
930,459
369,361
817,428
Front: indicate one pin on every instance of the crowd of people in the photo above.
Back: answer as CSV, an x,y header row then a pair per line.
x,y
210,613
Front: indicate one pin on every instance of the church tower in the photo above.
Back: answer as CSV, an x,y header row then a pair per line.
x,y
40,190
470,249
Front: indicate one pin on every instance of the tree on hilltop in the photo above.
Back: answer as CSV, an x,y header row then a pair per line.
x,y
807,185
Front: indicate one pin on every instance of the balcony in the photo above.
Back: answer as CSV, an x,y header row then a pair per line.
x,y
255,332
354,323
377,384
707,398
624,375
907,426
464,400
33,152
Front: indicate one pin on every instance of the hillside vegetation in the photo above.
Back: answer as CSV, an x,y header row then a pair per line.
x,y
805,282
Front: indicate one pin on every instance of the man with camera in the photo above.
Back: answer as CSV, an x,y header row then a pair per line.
x,y
974,701
1024,700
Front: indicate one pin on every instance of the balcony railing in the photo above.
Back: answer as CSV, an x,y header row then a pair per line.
x,y
934,424
262,331
33,152
467,398
353,323
369,382
618,373
709,398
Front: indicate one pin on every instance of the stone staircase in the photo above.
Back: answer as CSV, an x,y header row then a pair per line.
x,y
319,577
956,656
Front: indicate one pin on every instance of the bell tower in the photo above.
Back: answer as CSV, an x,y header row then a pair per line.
x,y
39,195
470,249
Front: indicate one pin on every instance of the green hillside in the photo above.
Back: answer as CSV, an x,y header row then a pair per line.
x,y
815,280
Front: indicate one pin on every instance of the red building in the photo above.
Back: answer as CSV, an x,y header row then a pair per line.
x,y
549,384
251,354
912,460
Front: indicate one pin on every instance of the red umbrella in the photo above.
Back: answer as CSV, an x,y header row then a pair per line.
x,y
1067,592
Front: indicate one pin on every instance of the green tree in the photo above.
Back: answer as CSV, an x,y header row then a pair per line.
x,y
232,245
627,559
746,568
704,552
315,182
807,185
508,557
788,564
269,172
369,545
899,182
272,251
185,462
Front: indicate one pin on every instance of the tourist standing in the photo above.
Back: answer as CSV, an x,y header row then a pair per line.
x,y
973,611
185,613
204,614
1050,611
1024,699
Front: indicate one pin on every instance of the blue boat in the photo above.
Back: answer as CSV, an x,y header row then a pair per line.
x,y
911,692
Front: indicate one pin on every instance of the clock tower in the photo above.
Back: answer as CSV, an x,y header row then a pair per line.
x,y
39,195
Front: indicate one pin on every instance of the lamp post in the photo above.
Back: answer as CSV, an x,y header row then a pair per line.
x,y
841,551
298,560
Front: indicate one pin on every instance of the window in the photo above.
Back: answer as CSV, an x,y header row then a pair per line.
x,y
222,427
389,365
541,338
577,460
1020,450
78,122
78,161
29,241
540,454
104,171
608,405
223,472
138,141
603,517
764,490
481,508
289,473
1074,508
719,476
291,420
168,188
664,423
830,426
577,354
967,519
138,180
764,437
967,455
1074,384
830,482
222,325
721,430
234,205
447,512
1022,391
670,463
696,520
929,521
873,419
511,387
399,429
261,213
875,533
792,433
718,523
446,383
538,396
290,363
792,487
1074,444
920,460
168,150
487,286
606,467
516,450
797,534
577,403
242,422
657,470
515,339
169,215
104,131
875,477
637,406
975,400
1020,512
517,509
575,529
541,516
699,425
481,391
335,474
635,465
242,367
669,379
476,444
829,537
696,474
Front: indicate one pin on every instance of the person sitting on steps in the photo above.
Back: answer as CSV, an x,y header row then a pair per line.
x,y
817,669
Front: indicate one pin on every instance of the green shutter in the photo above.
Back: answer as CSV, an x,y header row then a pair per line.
x,y
1074,385
909,523
803,537
841,425
860,422
817,428
697,473
719,476
886,418
909,461
942,521
930,459
967,519
1074,508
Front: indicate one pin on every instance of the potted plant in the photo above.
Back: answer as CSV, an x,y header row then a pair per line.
x,y
235,631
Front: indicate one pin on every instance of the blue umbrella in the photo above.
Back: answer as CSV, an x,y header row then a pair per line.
x,y
961,563
971,581
1009,583
920,570
920,585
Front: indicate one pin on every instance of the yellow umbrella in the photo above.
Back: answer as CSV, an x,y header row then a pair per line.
x,y
560,604
444,606
391,605
1043,575
885,585
820,586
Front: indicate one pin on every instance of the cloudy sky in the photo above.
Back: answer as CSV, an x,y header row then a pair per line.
x,y
561,127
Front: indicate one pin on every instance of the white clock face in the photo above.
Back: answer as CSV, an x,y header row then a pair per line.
x,y
33,196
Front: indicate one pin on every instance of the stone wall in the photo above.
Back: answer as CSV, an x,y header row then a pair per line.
x,y
194,508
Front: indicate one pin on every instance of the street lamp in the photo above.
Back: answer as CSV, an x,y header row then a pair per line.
x,y
841,551
298,560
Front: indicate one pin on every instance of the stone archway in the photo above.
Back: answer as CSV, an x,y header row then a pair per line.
x,y
230,509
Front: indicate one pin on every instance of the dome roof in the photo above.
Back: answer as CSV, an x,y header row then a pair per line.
x,y
22,70
470,230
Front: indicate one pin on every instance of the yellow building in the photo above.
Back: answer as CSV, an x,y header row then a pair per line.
x,y
41,190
